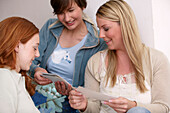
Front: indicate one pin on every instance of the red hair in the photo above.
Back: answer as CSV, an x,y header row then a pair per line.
x,y
12,31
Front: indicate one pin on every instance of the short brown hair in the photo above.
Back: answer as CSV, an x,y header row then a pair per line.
x,y
60,5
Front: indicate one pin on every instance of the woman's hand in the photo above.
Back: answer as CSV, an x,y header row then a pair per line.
x,y
120,105
62,89
77,100
39,79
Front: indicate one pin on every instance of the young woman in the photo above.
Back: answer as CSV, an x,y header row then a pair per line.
x,y
66,44
19,46
138,76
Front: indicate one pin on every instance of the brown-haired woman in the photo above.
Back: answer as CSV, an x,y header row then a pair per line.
x,y
66,44
19,46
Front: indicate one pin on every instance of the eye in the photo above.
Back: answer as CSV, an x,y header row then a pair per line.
x,y
35,48
71,10
106,29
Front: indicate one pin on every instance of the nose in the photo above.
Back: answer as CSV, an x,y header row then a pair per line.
x,y
37,53
67,16
101,34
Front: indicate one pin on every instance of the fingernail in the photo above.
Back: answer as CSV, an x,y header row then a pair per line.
x,y
80,93
110,100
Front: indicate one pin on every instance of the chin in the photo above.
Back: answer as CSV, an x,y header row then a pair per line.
x,y
26,68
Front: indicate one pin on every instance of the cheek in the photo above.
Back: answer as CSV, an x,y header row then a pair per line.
x,y
60,17
110,35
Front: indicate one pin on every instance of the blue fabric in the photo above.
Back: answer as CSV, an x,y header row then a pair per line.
x,y
62,61
138,110
67,108
38,98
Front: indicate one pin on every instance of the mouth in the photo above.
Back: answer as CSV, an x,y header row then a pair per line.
x,y
107,41
70,23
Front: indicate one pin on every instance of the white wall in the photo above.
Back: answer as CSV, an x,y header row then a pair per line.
x,y
37,11
152,16
161,25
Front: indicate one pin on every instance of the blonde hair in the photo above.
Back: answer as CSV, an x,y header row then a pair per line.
x,y
119,11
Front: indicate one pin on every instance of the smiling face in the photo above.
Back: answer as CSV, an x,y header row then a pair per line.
x,y
110,31
71,18
25,53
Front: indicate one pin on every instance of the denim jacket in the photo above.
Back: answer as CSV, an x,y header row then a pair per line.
x,y
49,37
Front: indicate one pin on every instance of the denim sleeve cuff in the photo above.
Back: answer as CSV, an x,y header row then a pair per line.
x,y
32,70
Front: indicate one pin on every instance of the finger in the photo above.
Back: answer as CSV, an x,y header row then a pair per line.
x,y
63,87
118,101
39,77
75,93
120,110
76,100
58,87
69,88
42,82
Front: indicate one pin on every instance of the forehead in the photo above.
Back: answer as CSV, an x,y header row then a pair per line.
x,y
34,39
102,21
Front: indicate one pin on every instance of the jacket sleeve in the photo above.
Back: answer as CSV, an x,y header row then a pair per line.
x,y
42,47
92,82
160,93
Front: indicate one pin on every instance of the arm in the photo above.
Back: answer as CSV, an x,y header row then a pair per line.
x,y
35,71
42,46
92,82
8,95
160,94
79,101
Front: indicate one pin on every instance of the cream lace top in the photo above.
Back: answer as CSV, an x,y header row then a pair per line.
x,y
125,86
156,68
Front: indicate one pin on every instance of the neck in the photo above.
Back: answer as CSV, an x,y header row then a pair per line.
x,y
17,68
80,30
124,64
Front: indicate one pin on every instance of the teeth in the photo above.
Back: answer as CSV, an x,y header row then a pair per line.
x,y
107,41
69,22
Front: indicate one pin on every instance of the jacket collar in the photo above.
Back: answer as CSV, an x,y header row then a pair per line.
x,y
57,27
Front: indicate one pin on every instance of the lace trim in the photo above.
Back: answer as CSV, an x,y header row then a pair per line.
x,y
125,79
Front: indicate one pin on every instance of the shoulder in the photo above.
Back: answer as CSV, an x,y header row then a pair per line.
x,y
5,72
7,78
157,56
96,58
159,61
6,75
50,23
94,65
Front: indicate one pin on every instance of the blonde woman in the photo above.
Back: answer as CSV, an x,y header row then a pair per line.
x,y
138,76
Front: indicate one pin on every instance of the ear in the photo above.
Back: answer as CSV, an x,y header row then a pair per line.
x,y
17,47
